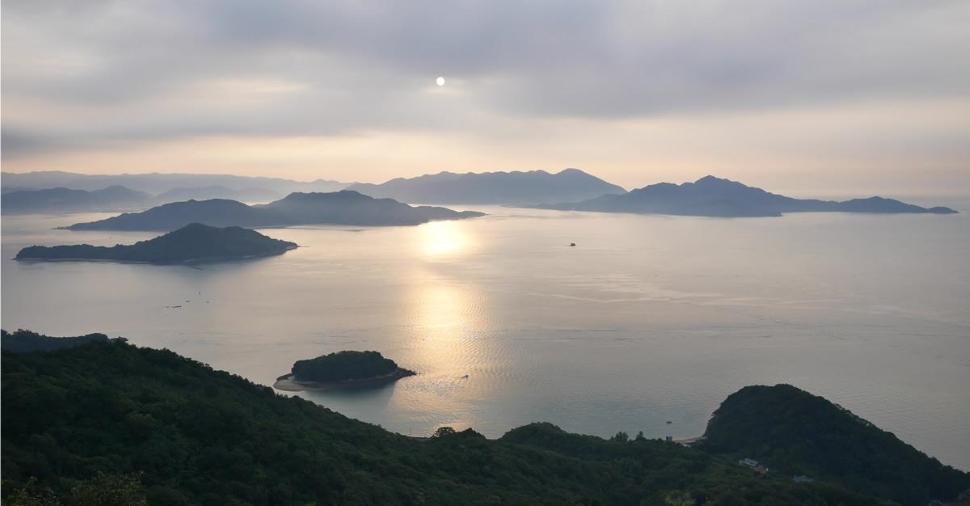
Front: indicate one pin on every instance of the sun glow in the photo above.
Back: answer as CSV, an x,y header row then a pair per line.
x,y
440,239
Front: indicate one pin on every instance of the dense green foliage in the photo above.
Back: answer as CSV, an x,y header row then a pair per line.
x,y
100,415
23,341
191,243
794,431
344,365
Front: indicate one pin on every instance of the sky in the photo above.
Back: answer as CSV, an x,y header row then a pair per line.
x,y
821,96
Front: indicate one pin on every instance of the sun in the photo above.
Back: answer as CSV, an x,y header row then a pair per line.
x,y
440,81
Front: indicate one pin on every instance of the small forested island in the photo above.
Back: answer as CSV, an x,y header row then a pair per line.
x,y
194,243
343,369
107,422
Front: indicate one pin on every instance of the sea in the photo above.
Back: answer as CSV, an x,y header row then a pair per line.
x,y
646,324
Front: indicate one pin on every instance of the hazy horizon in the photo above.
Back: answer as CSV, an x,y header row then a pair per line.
x,y
789,189
820,98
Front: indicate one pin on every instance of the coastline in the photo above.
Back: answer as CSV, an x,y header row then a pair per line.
x,y
189,261
288,383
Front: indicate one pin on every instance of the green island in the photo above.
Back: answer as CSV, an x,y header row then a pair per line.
x,y
109,423
343,369
194,243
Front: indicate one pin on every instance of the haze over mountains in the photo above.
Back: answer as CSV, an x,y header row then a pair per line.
x,y
65,200
156,183
716,197
569,189
337,208
531,187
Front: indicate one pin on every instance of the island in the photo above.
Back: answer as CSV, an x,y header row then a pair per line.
x,y
193,243
717,197
342,370
334,208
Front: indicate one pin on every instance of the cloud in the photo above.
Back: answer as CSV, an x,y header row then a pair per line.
x,y
103,72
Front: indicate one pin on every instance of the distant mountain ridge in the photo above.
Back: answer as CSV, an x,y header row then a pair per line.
x,y
337,208
492,187
191,243
716,197
156,183
65,200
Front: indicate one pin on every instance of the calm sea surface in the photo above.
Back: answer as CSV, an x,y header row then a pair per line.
x,y
647,319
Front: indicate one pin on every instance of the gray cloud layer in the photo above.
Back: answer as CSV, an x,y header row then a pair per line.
x,y
103,73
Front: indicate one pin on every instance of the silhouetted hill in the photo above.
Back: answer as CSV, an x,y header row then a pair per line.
x,y
133,424
536,186
215,212
794,432
352,208
25,341
711,196
191,243
64,200
340,208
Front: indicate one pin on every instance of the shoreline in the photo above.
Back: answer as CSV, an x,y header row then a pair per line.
x,y
288,383
189,261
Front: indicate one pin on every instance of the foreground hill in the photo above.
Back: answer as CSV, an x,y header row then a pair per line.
x,y
63,200
339,208
711,196
795,432
191,243
131,425
536,186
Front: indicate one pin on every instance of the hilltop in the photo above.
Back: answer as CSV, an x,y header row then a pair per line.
x,y
794,432
492,187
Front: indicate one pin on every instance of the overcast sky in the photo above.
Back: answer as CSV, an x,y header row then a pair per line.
x,y
823,96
